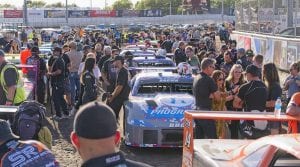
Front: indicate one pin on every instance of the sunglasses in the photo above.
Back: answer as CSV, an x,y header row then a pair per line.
x,y
238,72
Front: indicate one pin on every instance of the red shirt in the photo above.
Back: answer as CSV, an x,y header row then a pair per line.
x,y
23,57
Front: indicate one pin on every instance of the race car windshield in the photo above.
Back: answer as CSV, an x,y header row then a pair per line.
x,y
152,88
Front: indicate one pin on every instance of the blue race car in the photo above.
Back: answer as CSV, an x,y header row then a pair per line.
x,y
153,115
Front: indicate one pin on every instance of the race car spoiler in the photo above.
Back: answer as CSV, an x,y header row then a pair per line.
x,y
153,69
4,110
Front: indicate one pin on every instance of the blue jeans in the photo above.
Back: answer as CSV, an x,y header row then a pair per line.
x,y
75,85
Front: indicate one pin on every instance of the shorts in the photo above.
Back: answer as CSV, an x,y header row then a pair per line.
x,y
67,84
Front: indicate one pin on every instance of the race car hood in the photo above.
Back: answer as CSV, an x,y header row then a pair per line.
x,y
160,110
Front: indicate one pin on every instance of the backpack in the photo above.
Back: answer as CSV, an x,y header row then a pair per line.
x,y
29,120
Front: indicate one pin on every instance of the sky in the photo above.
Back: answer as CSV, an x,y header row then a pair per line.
x,y
80,3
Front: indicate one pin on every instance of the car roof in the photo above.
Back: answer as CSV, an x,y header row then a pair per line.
x,y
162,77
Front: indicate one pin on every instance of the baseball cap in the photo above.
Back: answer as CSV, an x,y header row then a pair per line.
x,y
95,120
249,53
2,53
224,47
253,70
6,132
57,49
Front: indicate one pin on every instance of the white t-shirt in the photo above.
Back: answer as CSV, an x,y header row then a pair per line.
x,y
96,70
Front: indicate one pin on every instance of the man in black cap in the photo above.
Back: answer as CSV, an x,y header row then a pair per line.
x,y
10,146
252,96
122,89
57,77
37,75
96,137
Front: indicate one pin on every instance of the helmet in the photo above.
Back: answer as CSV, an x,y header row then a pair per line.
x,y
184,68
29,118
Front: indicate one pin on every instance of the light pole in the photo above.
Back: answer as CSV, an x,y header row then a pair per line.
x,y
222,11
25,19
170,7
67,12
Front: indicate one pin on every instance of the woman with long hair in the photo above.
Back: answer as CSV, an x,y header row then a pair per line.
x,y
88,80
219,105
234,80
271,79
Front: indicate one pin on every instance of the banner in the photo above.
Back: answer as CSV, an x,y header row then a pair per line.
x,y
78,13
291,54
55,14
35,13
269,56
278,51
283,60
13,13
150,13
102,13
127,13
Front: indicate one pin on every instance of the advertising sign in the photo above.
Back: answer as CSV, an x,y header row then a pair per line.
x,y
13,13
35,13
269,56
55,14
151,13
128,13
78,13
102,13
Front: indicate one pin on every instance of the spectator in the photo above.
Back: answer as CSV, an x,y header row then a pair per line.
x,y
191,58
204,90
258,62
12,92
75,56
252,97
219,104
202,46
179,54
98,146
242,59
107,55
98,52
37,75
175,44
122,89
234,80
220,57
10,145
250,55
89,80
24,56
167,44
227,64
67,83
109,73
291,83
271,78
57,77
293,108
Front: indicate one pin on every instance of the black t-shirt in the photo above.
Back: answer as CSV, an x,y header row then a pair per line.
x,y
102,60
112,160
41,65
122,80
254,95
67,61
229,86
10,77
179,56
57,64
111,71
202,88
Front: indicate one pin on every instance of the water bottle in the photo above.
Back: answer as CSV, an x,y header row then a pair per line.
x,y
277,109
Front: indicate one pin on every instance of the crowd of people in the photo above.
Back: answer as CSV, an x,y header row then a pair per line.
x,y
86,76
